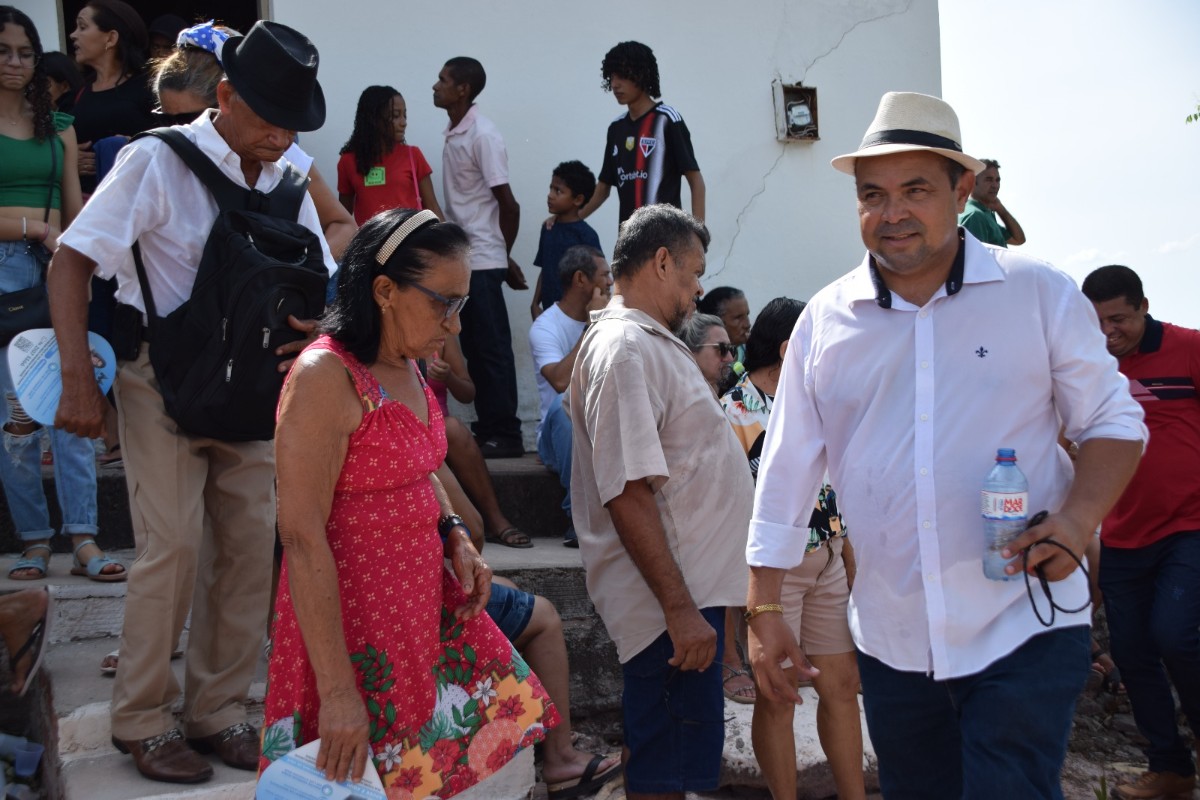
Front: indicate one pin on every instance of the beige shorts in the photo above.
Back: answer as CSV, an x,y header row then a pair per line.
x,y
814,598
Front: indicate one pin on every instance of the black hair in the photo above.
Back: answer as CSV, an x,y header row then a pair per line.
x,y
372,137
577,258
635,62
652,227
37,91
772,327
464,69
578,178
133,43
353,318
62,68
1107,283
955,171
714,300
989,163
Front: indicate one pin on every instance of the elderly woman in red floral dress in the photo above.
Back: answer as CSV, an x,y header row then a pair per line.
x,y
379,650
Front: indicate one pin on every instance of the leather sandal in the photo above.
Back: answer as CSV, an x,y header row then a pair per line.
x,y
96,564
27,561
512,536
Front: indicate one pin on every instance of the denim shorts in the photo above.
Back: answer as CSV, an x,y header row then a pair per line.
x,y
511,609
674,721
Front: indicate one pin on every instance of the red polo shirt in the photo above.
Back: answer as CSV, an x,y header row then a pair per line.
x,y
1164,496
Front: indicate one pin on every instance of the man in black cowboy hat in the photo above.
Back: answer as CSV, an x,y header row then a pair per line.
x,y
967,692
203,509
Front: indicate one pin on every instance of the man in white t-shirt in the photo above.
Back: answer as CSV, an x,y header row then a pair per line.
x,y
554,341
478,198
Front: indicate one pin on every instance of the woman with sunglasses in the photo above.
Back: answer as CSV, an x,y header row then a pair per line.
x,y
706,337
379,650
39,196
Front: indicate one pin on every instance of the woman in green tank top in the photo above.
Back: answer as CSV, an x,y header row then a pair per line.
x,y
39,196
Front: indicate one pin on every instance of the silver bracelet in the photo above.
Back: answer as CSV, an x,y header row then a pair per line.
x,y
24,230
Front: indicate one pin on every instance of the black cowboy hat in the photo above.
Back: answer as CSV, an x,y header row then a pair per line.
x,y
274,69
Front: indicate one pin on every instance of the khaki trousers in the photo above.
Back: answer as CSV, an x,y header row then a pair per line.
x,y
204,523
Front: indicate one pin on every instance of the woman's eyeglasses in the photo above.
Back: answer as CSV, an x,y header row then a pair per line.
x,y
453,304
724,348
26,58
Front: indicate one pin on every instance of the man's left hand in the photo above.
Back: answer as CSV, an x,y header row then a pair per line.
x,y
1056,564
515,278
305,326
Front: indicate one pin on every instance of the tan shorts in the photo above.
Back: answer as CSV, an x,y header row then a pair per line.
x,y
814,598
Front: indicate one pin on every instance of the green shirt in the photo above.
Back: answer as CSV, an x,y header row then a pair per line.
x,y
982,224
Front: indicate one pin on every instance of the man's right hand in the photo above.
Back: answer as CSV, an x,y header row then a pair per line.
x,y
599,299
771,643
694,639
82,408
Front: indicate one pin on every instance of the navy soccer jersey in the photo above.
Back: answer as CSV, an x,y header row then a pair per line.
x,y
645,158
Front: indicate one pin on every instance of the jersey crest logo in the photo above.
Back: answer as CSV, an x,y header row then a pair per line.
x,y
376,176
647,145
629,143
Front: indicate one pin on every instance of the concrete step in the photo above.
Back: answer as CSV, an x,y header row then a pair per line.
x,y
529,494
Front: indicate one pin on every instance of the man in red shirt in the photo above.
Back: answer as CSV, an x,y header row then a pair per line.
x,y
1150,541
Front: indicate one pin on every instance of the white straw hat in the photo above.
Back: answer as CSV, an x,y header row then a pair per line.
x,y
909,121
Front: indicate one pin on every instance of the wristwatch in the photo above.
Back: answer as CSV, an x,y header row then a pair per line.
x,y
448,523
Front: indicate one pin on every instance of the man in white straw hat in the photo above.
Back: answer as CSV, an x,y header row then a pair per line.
x,y
965,349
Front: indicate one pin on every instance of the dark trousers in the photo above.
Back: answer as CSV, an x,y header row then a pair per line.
x,y
995,735
487,344
1152,600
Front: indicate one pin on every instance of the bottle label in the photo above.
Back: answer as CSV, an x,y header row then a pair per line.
x,y
1004,505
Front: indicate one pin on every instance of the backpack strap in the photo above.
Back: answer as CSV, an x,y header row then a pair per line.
x,y
229,196
284,200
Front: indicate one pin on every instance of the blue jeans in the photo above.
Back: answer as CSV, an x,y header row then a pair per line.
x,y
487,344
674,721
21,463
1000,733
554,447
1152,601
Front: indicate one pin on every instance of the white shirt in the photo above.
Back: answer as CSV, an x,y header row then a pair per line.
x,y
551,337
474,160
152,197
907,407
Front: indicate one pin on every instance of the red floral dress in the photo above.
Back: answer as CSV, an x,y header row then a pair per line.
x,y
449,702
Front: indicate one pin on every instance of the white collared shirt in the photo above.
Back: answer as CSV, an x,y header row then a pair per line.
x,y
474,160
906,407
152,197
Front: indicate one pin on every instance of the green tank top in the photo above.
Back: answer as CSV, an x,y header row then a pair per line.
x,y
25,169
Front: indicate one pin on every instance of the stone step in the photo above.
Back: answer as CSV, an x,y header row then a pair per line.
x,y
529,494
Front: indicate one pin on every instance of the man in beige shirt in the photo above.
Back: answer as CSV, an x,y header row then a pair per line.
x,y
661,502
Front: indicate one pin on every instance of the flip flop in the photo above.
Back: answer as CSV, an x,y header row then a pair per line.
x,y
112,456
95,566
512,536
586,783
733,694
34,645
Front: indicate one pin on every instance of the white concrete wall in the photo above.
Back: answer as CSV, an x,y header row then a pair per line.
x,y
782,219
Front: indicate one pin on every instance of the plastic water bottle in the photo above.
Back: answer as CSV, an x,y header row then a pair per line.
x,y
1005,505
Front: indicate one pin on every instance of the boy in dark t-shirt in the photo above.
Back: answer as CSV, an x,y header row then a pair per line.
x,y
571,184
648,149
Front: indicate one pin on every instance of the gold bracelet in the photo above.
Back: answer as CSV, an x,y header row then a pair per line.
x,y
763,609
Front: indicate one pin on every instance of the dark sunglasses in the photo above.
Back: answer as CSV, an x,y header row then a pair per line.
x,y
724,348
186,118
453,304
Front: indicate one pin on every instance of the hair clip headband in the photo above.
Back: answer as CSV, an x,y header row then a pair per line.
x,y
406,229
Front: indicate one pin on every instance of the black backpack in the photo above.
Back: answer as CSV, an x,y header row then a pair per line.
x,y
214,356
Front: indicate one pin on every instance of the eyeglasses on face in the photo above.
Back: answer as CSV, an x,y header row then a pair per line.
x,y
453,304
724,348
26,58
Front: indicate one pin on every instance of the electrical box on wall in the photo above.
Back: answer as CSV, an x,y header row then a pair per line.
x,y
795,112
